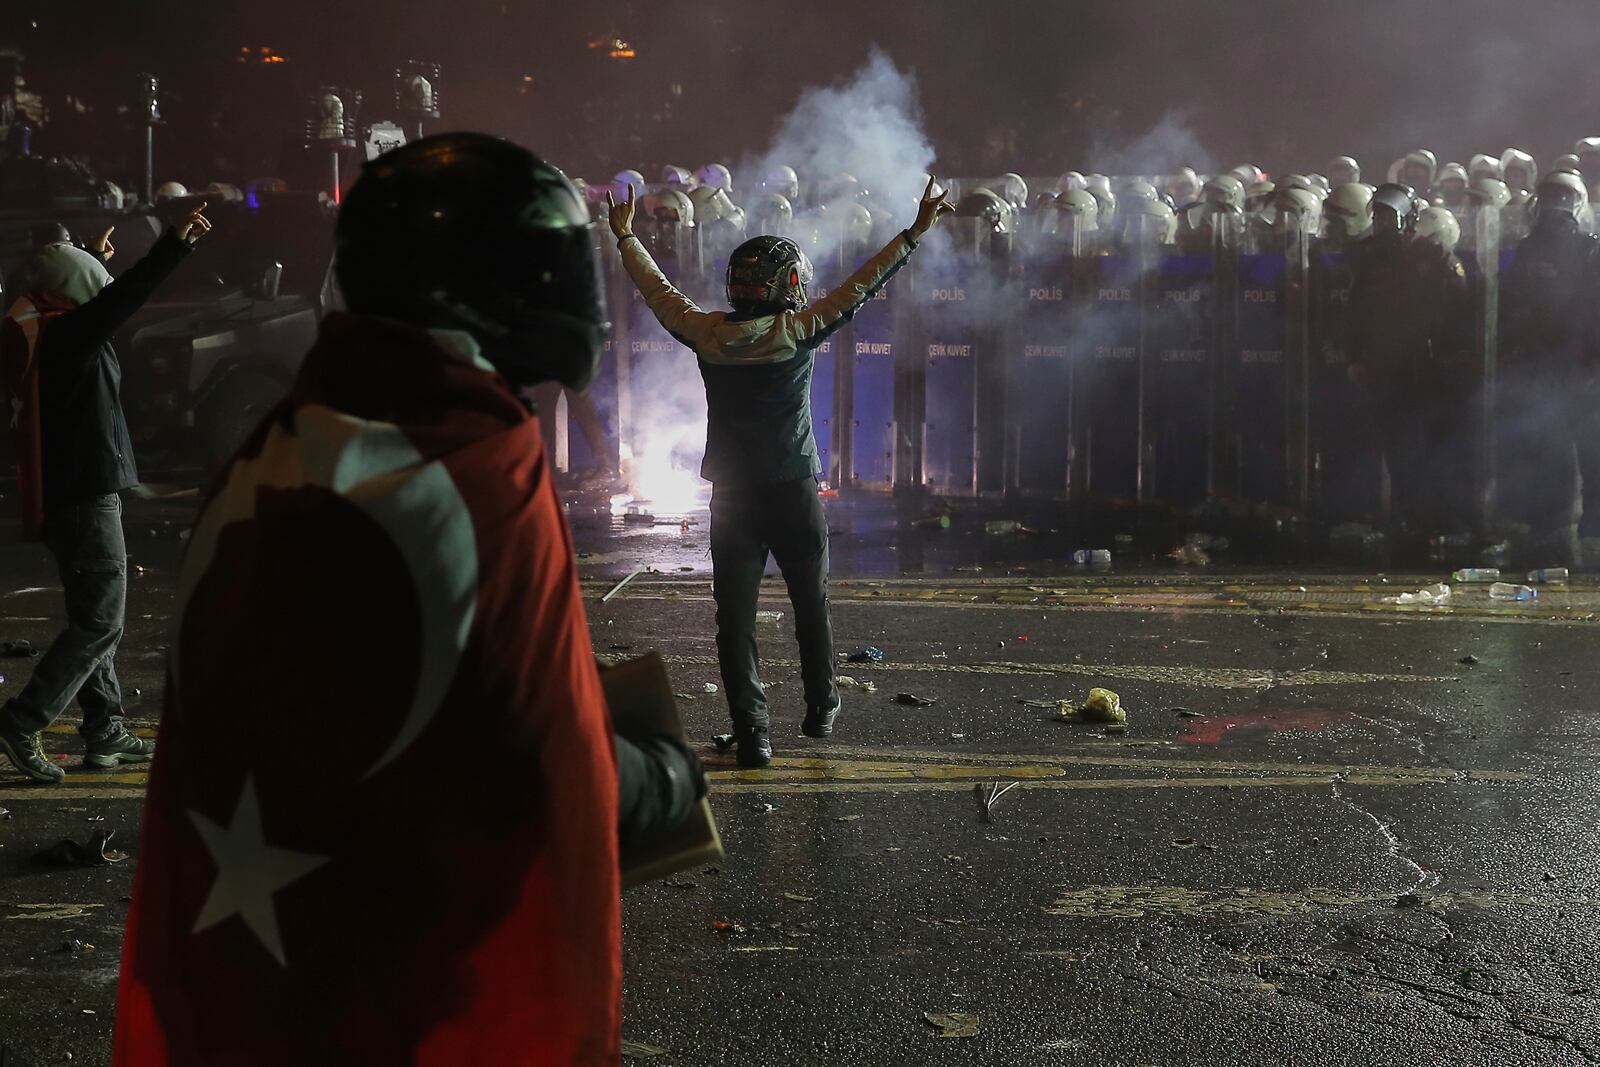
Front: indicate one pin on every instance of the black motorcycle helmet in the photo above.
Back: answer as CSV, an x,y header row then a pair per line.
x,y
768,274
470,232
1394,208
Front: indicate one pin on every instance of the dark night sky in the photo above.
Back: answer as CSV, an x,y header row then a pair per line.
x,y
1006,84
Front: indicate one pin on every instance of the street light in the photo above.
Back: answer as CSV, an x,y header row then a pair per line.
x,y
332,126
416,92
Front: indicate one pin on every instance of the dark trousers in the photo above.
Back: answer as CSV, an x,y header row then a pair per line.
x,y
1548,461
786,520
92,559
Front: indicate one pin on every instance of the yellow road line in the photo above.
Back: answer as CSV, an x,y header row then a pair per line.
x,y
1197,677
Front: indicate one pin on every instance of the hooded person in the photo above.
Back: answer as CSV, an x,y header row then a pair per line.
x,y
761,458
73,455
386,556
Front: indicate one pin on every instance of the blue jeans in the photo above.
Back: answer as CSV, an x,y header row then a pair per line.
x,y
92,559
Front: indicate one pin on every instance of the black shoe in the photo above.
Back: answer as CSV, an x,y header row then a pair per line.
x,y
119,746
26,753
755,747
819,721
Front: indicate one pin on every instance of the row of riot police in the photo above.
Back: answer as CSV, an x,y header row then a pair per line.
x,y
1348,351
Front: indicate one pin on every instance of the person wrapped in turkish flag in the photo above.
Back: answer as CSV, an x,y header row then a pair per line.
x,y
383,819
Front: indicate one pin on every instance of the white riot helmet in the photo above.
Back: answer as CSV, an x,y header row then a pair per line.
x,y
171,191
1225,192
1483,165
1295,181
782,179
677,177
1452,183
1147,222
1347,212
716,176
1295,208
1588,153
1071,180
1137,189
772,214
1080,206
1257,196
1518,170
1344,170
1490,192
625,180
1439,226
1011,188
1183,185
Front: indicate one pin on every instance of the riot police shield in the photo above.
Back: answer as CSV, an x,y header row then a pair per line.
x,y
1042,350
1257,410
1341,456
1176,415
952,302
1106,418
868,450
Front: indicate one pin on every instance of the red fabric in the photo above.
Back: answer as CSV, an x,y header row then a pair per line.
x,y
468,910
19,388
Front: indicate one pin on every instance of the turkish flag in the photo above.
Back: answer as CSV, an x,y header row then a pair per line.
x,y
20,331
381,823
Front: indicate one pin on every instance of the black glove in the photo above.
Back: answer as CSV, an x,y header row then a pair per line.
x,y
659,782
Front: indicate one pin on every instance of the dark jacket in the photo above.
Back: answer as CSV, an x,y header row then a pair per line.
x,y
84,437
1548,299
1408,303
757,369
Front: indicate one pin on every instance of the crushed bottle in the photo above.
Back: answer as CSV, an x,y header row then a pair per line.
x,y
1548,576
1507,591
1433,594
1092,555
1477,574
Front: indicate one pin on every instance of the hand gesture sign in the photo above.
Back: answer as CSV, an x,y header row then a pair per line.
x,y
621,214
931,209
195,225
103,247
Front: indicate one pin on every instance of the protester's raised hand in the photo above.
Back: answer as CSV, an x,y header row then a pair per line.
x,y
931,208
194,225
103,247
621,214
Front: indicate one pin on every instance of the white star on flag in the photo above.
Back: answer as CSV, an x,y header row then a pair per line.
x,y
249,872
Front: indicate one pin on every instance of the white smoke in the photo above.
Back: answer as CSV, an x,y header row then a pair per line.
x,y
868,126
1156,152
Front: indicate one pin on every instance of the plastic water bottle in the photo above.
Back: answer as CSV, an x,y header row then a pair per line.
x,y
1548,576
1477,574
1092,555
1507,591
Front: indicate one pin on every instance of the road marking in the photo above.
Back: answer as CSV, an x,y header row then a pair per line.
x,y
1197,677
53,911
1138,901
740,782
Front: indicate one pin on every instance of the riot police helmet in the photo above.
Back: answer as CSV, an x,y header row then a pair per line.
x,y
768,274
772,214
1439,226
990,207
626,182
1560,191
1344,170
470,232
1483,165
717,176
1080,206
1518,170
782,179
1349,208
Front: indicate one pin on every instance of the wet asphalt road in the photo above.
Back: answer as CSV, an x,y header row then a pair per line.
x,y
1323,838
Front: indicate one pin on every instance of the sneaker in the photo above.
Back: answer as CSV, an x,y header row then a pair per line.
x,y
755,747
819,721
116,747
26,753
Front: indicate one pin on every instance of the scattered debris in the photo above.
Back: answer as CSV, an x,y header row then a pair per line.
x,y
622,584
912,700
1184,842
92,853
1188,713
726,927
722,741
769,616
767,808
1549,576
933,522
1116,728
1431,594
1102,706
709,688
1091,556
988,795
18,648
866,655
848,818
953,1023
620,648
638,1050
1001,527
798,898
844,681
1508,591
1049,704
683,883
1469,659
1408,900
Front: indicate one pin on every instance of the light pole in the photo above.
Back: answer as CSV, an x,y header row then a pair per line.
x,y
332,126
